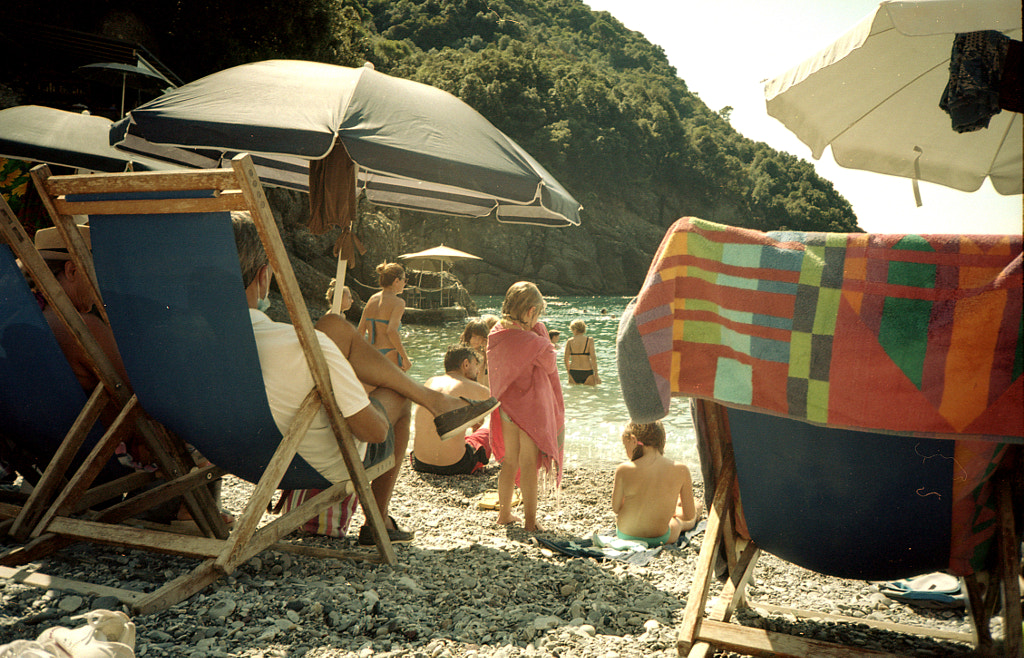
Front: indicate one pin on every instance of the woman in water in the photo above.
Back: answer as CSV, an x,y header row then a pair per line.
x,y
580,356
382,315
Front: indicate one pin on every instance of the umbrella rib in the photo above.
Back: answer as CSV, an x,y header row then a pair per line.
x,y
887,99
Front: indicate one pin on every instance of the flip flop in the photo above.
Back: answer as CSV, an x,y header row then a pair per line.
x,y
934,590
490,500
453,423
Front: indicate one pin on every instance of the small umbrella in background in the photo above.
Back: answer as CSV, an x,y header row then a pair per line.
x,y
873,97
439,258
69,139
137,76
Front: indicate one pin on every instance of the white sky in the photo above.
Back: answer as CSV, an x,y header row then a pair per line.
x,y
725,49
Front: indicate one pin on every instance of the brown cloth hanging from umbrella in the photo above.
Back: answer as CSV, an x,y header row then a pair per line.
x,y
332,199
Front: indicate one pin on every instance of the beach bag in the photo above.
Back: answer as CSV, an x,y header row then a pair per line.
x,y
331,522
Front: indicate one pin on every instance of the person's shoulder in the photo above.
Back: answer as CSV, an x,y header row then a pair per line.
x,y
680,468
625,467
472,390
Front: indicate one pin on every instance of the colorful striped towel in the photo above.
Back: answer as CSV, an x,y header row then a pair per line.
x,y
903,334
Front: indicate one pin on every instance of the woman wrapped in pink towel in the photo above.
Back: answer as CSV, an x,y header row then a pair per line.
x,y
527,431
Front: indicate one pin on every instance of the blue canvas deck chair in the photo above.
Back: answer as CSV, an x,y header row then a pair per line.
x,y
47,416
859,406
168,272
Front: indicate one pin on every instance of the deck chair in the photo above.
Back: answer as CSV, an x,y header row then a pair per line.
x,y
167,270
858,407
46,413
40,398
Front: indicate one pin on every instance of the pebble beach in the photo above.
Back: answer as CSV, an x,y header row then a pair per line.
x,y
465,587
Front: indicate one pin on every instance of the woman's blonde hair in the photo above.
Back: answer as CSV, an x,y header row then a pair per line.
x,y
578,327
520,298
388,272
651,435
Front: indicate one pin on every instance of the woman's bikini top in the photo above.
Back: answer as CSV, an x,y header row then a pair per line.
x,y
586,348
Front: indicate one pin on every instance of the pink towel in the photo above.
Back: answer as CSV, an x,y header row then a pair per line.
x,y
524,376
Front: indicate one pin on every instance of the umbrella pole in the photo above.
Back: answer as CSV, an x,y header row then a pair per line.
x,y
124,81
339,283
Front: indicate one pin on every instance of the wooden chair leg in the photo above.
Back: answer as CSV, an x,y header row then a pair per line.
x,y
1009,571
697,598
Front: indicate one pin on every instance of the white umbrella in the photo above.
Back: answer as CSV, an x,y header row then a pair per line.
x,y
444,256
873,96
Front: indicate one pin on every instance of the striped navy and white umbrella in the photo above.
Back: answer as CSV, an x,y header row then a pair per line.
x,y
414,146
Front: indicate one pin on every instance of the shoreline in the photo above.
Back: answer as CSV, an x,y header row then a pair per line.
x,y
464,588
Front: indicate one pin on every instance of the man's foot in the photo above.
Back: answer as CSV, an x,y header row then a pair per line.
x,y
534,527
452,424
396,535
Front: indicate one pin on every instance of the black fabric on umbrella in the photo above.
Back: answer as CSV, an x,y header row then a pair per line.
x,y
69,139
414,146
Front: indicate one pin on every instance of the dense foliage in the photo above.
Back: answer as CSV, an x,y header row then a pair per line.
x,y
596,103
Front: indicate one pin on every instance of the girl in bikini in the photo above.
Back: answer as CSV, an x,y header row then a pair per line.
x,y
382,315
580,356
652,496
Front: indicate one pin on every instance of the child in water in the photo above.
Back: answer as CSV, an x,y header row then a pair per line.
x,y
527,432
653,496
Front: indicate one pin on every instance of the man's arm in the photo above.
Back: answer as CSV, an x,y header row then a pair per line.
x,y
368,425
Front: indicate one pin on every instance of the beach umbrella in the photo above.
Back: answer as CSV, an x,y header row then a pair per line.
x,y
137,76
873,97
441,255
68,139
413,146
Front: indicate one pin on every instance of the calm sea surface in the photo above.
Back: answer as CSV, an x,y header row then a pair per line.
x,y
594,416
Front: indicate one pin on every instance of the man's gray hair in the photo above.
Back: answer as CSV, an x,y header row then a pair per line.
x,y
251,254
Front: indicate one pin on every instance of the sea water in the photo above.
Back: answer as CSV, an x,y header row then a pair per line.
x,y
594,415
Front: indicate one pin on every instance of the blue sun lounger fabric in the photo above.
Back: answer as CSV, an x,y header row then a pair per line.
x,y
173,291
40,398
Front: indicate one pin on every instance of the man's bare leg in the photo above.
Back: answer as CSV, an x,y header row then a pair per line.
x,y
374,369
398,412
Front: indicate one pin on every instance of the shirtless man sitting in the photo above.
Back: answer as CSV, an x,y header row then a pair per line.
x,y
452,457
653,495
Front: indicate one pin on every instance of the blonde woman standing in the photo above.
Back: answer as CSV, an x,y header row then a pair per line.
x,y
580,356
382,315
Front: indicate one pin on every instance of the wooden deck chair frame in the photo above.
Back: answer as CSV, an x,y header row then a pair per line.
x,y
55,496
237,188
706,626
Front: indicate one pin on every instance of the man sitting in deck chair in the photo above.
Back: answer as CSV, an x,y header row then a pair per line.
x,y
353,363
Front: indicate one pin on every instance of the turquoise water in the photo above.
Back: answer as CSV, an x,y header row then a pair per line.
x,y
594,416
